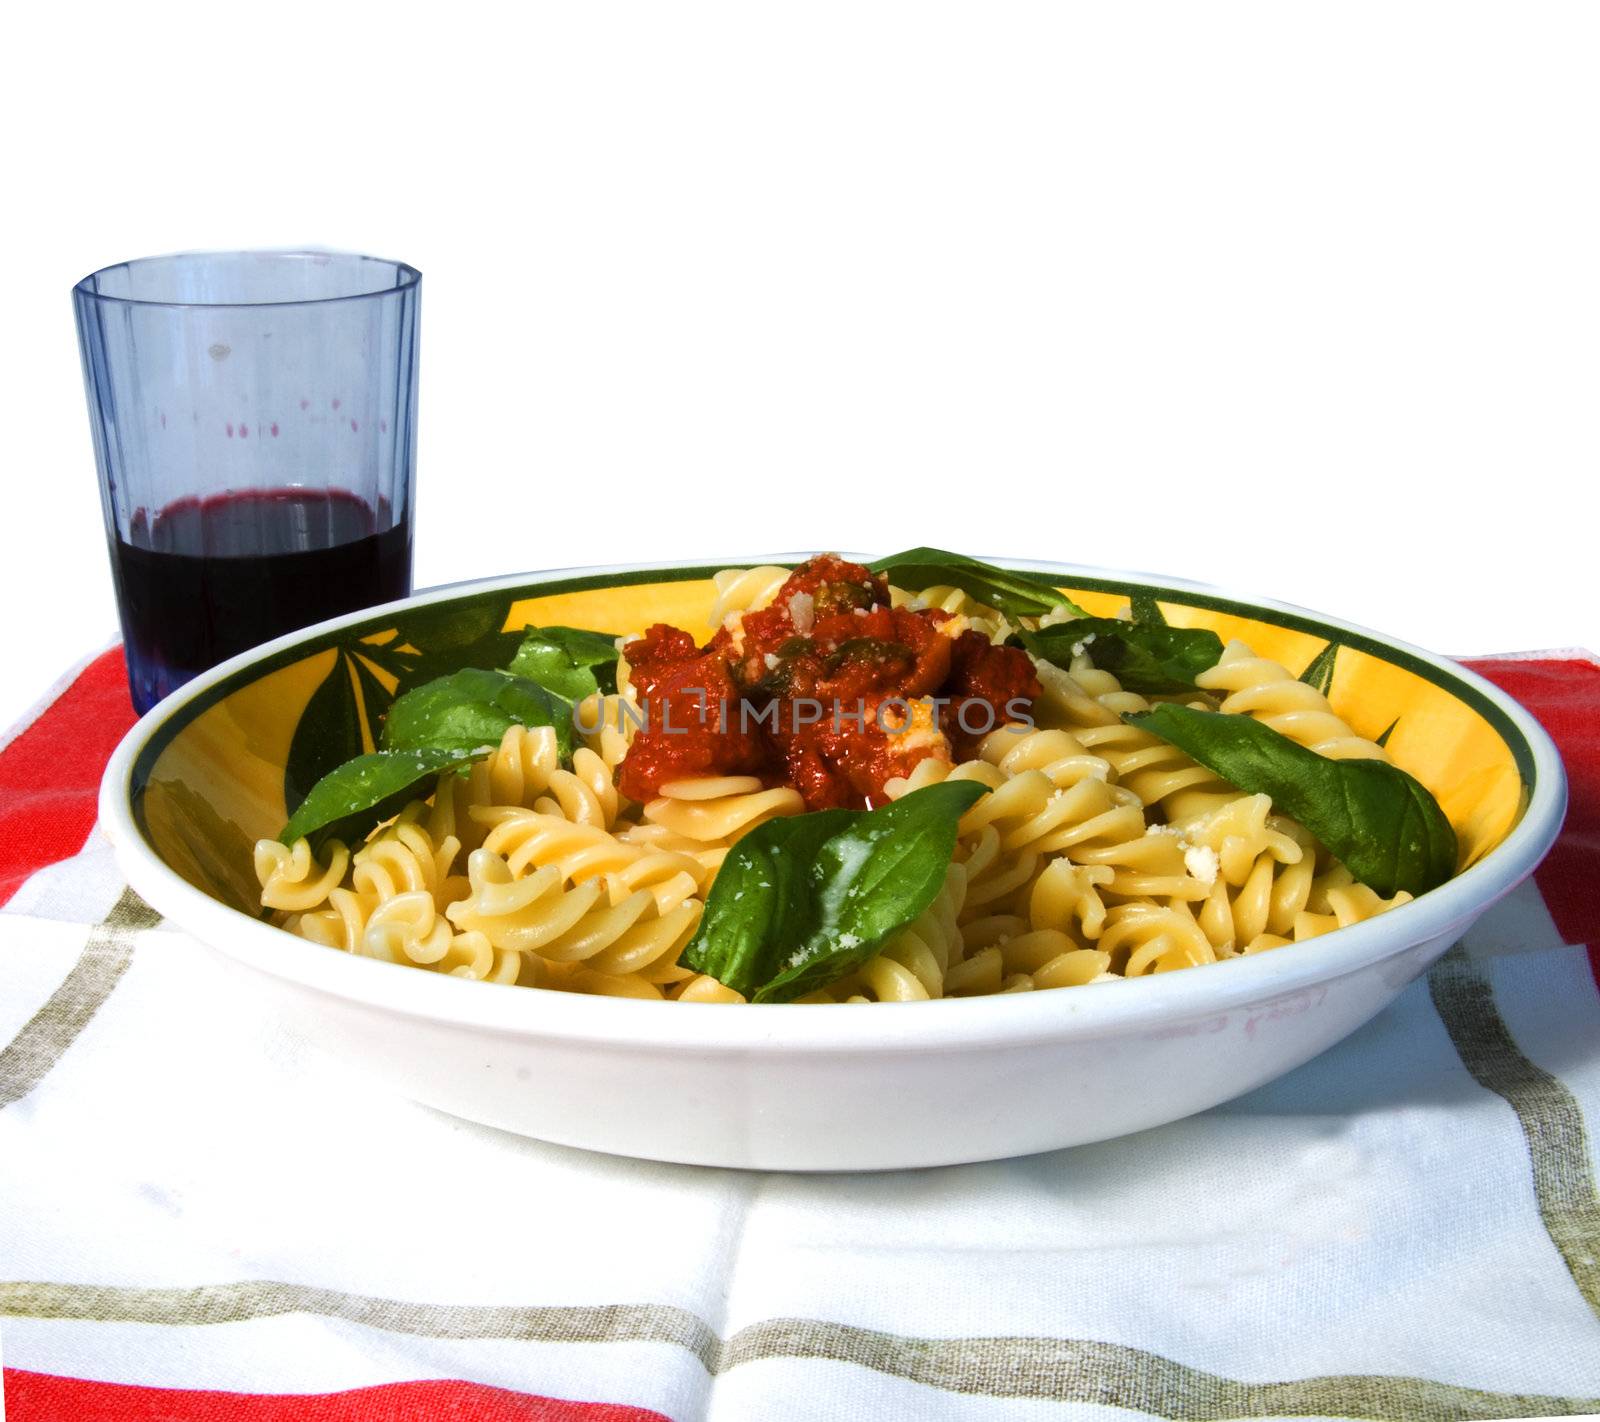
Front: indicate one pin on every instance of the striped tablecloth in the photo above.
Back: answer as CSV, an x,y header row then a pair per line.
x,y
203,1217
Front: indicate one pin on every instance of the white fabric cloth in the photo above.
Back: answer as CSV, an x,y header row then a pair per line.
x,y
1372,1214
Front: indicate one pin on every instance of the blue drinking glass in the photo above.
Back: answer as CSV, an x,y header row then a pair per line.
x,y
254,418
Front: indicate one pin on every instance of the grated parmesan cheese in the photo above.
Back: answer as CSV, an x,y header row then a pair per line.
x,y
802,612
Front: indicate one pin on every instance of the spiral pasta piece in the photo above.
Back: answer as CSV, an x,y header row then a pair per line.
x,y
1032,814
978,615
538,914
882,979
1063,703
471,955
930,771
708,856
1061,756
630,938
579,977
1152,866
992,872
670,878
992,878
292,878
1261,912
608,723
1065,898
1259,687
1026,809
1154,938
741,590
701,987
341,924
447,813
1156,771
403,929
407,928
1240,832
1091,703
525,769
401,858
1039,957
534,839
521,914
1077,967
1108,693
1090,820
717,809
1343,902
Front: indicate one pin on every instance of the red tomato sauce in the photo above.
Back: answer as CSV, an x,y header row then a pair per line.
x,y
830,690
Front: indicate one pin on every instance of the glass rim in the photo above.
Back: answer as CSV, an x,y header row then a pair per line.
x,y
408,279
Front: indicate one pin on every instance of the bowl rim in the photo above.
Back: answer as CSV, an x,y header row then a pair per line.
x,y
1146,1004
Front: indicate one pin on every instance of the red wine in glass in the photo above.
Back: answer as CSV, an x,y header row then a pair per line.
x,y
204,579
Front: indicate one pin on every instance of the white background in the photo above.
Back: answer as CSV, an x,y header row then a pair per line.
x,y
1304,299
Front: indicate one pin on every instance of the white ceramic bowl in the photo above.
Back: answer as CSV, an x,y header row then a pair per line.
x,y
832,1087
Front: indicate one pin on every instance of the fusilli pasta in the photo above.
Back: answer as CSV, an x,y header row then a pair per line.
x,y
745,590
1258,687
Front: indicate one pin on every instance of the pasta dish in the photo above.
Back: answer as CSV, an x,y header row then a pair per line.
x,y
925,778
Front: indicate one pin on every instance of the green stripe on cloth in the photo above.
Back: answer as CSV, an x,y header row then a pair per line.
x,y
1550,1117
29,1057
1050,1369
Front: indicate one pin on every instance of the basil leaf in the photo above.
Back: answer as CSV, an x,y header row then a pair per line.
x,y
436,640
1150,658
1320,673
1383,736
800,902
349,800
760,904
871,880
472,708
569,661
1146,610
858,650
1382,824
1015,594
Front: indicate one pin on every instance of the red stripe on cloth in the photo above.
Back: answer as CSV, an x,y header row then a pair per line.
x,y
42,1397
50,775
1564,695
